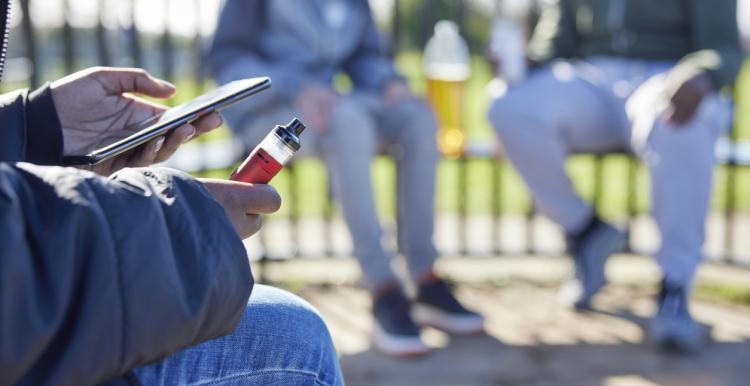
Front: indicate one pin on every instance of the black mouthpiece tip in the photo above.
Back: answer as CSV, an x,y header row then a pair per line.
x,y
296,126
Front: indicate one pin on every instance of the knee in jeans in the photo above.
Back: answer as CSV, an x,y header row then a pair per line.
x,y
290,316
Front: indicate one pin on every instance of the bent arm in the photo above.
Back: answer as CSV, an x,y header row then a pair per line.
x,y
235,52
368,66
100,276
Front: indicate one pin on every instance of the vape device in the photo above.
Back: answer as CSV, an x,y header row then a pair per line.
x,y
270,155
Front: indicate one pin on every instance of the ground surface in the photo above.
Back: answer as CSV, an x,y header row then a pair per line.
x,y
531,340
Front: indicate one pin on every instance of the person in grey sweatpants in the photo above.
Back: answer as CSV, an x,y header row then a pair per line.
x,y
302,45
609,78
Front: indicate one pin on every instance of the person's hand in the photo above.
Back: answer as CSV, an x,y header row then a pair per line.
x,y
244,203
396,92
685,91
315,103
95,106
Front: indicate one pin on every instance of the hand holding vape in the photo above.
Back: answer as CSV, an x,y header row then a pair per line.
x,y
265,161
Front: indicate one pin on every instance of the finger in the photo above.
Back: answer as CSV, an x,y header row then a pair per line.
x,y
142,113
136,80
257,199
173,141
207,123
246,198
249,225
147,154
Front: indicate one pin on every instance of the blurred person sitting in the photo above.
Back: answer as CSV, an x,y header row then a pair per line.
x,y
140,278
642,75
303,45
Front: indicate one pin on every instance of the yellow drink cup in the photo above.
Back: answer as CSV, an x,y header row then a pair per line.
x,y
446,66
447,100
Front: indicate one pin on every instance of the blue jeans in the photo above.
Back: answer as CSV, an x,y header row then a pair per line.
x,y
280,340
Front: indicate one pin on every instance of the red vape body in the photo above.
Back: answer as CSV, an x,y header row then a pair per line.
x,y
265,161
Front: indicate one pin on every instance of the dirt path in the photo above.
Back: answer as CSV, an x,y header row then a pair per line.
x,y
532,341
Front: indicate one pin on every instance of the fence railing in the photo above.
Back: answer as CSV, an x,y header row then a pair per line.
x,y
41,52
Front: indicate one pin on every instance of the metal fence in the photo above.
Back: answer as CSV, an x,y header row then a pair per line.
x,y
42,52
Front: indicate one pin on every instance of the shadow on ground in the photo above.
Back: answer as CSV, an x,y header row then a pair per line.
x,y
532,341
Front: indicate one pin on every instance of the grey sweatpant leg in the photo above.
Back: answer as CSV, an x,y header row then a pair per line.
x,y
606,104
361,125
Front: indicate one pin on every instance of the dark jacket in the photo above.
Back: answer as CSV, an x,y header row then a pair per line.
x,y
102,275
702,34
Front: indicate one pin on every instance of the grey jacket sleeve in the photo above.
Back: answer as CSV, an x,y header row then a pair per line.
x,y
369,67
234,52
98,276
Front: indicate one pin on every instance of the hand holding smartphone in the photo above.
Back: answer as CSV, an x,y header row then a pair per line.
x,y
161,125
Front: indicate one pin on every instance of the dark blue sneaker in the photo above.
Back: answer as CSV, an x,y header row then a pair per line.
x,y
394,331
590,250
673,329
436,307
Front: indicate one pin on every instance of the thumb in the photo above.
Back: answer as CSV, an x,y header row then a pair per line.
x,y
135,80
247,198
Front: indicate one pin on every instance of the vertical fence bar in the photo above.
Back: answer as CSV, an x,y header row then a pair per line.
x,y
134,39
396,26
428,20
497,211
294,215
68,40
632,201
328,217
199,66
102,46
30,44
461,16
462,195
166,46
530,230
731,169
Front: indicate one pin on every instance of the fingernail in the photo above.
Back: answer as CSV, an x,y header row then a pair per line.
x,y
190,136
159,144
169,84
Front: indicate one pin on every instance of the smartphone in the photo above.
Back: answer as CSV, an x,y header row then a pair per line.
x,y
173,118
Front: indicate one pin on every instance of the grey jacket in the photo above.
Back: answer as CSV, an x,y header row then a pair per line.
x,y
102,275
289,41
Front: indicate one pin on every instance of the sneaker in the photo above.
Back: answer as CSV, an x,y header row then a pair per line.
x,y
590,250
394,331
436,307
673,329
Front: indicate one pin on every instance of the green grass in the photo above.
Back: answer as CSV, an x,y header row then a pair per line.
x,y
729,293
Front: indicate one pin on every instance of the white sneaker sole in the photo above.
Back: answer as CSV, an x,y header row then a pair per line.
x,y
397,345
426,315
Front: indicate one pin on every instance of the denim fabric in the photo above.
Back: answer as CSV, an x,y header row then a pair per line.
x,y
281,340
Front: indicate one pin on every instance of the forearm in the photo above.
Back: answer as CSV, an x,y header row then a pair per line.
x,y
124,272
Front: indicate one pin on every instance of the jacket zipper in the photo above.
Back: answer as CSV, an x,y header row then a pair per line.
x,y
5,26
